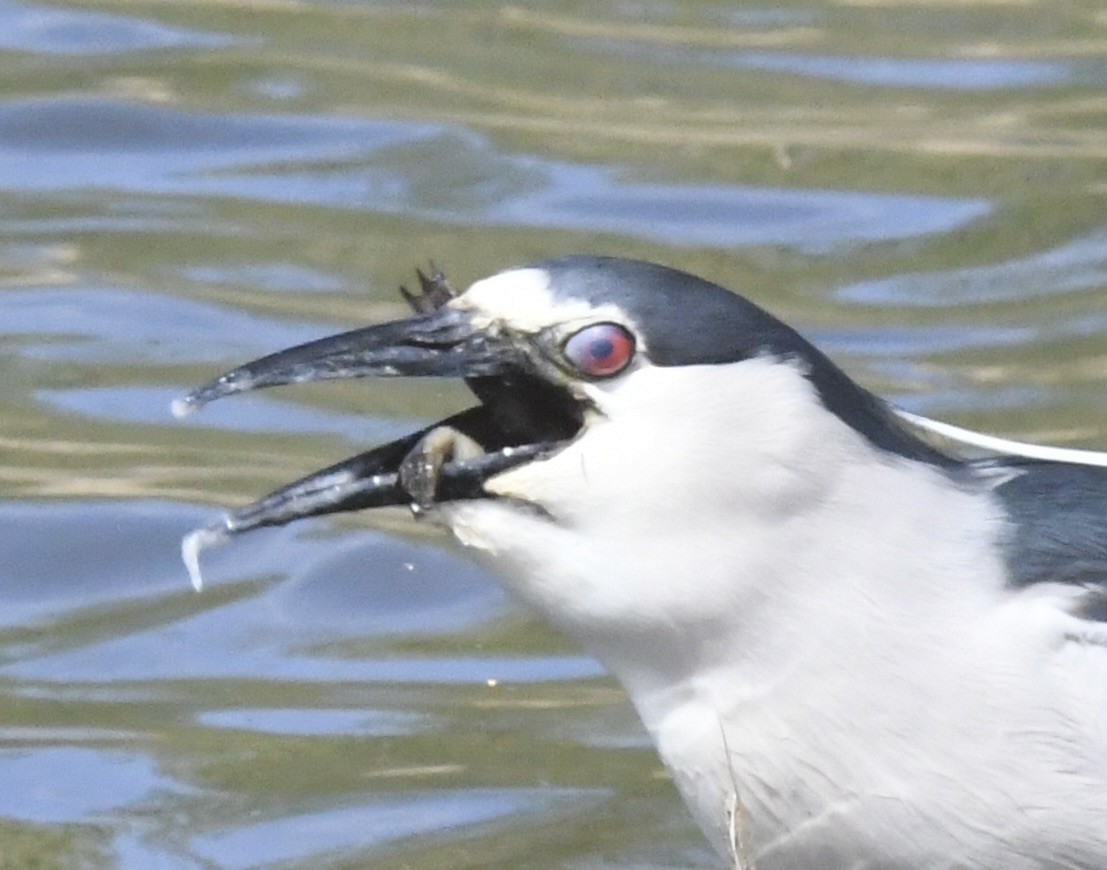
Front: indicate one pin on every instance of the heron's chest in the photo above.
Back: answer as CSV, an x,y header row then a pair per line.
x,y
793,785
740,776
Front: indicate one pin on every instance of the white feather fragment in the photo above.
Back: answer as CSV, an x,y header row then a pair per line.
x,y
194,543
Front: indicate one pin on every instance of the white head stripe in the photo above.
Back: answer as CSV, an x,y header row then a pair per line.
x,y
522,299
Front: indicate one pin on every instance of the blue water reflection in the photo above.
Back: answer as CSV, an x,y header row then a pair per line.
x,y
53,30
1077,266
66,145
307,722
74,784
960,74
889,71
104,324
290,595
254,413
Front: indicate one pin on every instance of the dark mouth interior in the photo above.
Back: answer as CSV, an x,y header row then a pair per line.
x,y
520,409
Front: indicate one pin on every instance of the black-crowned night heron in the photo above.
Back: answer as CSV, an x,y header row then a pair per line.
x,y
852,649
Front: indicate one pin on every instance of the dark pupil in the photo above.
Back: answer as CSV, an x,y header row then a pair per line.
x,y
601,348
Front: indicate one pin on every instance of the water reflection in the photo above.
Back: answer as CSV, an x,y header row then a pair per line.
x,y
375,723
811,220
147,405
959,74
365,165
103,324
69,784
1078,266
53,30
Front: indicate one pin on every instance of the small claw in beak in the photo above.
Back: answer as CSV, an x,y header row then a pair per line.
x,y
434,291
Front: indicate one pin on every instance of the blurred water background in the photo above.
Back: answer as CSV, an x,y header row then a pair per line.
x,y
919,185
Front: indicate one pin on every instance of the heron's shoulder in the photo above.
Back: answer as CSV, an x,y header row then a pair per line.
x,y
1057,526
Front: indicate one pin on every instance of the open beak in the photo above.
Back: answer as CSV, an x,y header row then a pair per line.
x,y
521,418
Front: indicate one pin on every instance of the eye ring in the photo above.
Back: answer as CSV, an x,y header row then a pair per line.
x,y
599,350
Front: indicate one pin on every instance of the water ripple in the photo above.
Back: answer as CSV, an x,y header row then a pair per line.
x,y
1076,266
51,30
392,167
106,324
252,413
73,784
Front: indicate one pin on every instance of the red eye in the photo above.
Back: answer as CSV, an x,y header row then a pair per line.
x,y
600,350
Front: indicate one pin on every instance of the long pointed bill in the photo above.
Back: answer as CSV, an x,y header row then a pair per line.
x,y
443,343
521,418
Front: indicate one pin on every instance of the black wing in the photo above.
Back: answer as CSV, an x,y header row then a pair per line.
x,y
1058,527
